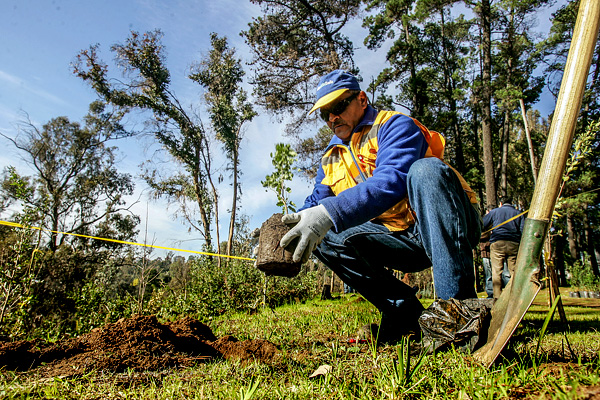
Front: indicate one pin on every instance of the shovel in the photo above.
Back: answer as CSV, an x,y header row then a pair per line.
x,y
516,298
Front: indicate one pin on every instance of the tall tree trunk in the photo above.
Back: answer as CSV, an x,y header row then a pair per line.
x,y
203,214
571,237
529,142
199,193
417,111
475,127
506,127
486,92
217,225
203,155
504,162
449,90
234,200
589,245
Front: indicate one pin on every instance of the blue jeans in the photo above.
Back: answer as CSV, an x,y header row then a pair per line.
x,y
447,230
487,269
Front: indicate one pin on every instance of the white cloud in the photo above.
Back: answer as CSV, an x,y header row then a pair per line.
x,y
10,79
21,84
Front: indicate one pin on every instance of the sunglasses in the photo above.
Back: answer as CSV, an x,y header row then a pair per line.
x,y
339,108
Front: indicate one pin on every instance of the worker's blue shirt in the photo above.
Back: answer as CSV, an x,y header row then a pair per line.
x,y
511,230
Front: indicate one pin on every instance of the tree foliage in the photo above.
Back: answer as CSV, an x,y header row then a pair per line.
x,y
75,184
293,44
147,87
75,191
407,58
282,160
221,74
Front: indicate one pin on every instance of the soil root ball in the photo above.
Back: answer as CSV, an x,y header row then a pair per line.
x,y
271,258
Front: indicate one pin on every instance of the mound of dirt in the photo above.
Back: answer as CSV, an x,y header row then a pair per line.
x,y
140,343
257,349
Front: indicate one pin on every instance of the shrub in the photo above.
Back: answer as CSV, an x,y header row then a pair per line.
x,y
236,286
19,265
582,275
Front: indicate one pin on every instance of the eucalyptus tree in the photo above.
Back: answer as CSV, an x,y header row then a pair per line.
x,y
146,86
221,74
75,186
70,186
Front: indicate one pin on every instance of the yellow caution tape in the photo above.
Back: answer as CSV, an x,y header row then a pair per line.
x,y
17,225
505,222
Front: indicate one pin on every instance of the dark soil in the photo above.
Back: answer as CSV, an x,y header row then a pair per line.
x,y
140,343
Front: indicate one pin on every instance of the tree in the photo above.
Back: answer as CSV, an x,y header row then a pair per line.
x,y
221,73
580,207
396,20
282,160
147,87
75,188
516,60
445,42
294,43
484,12
76,184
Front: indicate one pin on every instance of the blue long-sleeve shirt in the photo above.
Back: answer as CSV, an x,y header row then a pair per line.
x,y
400,142
511,230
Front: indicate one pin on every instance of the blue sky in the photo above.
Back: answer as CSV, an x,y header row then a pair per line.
x,y
40,40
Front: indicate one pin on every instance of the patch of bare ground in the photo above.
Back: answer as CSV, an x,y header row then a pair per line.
x,y
140,343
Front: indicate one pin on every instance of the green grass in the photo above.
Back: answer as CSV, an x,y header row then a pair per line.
x,y
314,334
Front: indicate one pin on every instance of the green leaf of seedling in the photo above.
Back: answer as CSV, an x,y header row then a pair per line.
x,y
545,325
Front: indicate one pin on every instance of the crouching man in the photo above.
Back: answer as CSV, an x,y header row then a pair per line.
x,y
384,199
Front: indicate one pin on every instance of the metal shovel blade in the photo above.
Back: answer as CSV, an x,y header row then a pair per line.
x,y
516,298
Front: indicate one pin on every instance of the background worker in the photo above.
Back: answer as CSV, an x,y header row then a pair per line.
x,y
504,240
383,198
484,248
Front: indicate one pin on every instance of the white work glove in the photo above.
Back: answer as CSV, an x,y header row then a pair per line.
x,y
311,226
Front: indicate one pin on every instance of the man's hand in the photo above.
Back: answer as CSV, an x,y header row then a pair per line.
x,y
311,226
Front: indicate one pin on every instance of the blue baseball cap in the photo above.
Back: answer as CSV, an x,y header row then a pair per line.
x,y
332,86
